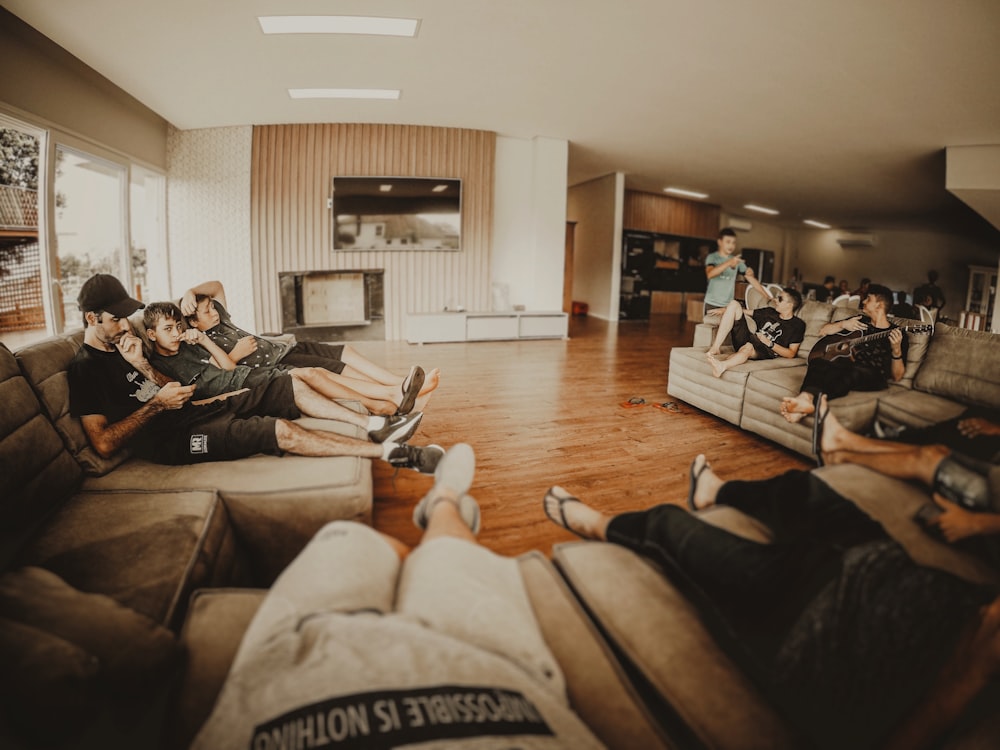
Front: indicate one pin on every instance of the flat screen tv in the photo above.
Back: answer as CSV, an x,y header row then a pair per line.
x,y
397,213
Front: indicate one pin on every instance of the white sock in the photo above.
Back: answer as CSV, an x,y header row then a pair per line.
x,y
388,448
376,423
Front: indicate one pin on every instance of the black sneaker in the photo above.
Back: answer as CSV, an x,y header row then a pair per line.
x,y
419,458
397,429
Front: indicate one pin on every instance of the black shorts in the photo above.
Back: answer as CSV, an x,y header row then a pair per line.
x,y
315,354
238,427
742,335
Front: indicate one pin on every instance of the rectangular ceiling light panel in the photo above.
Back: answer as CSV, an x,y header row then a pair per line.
x,y
343,93
338,25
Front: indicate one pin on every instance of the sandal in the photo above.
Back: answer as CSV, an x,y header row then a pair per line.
x,y
819,417
561,497
412,384
694,473
670,406
633,402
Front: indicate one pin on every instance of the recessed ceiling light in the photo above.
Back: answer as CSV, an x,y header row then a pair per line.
x,y
817,224
343,93
439,188
385,188
761,209
685,193
338,25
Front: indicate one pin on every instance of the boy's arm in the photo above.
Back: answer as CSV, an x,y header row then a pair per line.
x,y
751,278
219,356
213,289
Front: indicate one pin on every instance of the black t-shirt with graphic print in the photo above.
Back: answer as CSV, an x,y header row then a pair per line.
x,y
876,353
783,332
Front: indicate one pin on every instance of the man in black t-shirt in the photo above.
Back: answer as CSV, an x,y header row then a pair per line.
x,y
765,333
870,367
122,400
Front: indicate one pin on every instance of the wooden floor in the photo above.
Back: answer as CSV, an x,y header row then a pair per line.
x,y
540,413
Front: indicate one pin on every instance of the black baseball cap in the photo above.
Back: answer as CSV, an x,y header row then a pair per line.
x,y
103,291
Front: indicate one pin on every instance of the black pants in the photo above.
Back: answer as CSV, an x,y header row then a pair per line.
x,y
750,592
838,377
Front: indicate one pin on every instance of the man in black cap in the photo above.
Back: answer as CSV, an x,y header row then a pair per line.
x,y
122,400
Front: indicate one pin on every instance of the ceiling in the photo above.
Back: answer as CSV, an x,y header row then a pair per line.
x,y
834,110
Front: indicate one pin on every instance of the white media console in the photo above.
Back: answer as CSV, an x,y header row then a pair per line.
x,y
424,328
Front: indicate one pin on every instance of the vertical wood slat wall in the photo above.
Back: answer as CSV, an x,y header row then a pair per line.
x,y
291,180
663,214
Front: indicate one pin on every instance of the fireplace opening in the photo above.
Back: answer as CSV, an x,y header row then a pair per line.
x,y
333,305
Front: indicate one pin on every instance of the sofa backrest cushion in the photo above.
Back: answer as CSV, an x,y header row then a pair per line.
x,y
37,474
44,365
816,315
962,365
916,352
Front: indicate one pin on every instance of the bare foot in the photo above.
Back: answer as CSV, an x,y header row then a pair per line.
x,y
565,510
706,488
421,401
713,352
432,380
794,409
718,369
835,436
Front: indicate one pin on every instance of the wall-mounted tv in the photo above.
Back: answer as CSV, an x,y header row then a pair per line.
x,y
397,213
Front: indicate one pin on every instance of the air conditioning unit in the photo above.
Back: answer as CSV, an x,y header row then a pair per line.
x,y
857,239
740,225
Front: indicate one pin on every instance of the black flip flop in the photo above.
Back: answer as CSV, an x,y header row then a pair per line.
x,y
411,389
561,520
819,417
693,477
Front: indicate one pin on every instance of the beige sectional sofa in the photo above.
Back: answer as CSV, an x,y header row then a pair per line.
x,y
125,540
946,371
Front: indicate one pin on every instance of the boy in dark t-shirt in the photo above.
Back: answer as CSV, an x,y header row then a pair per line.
x,y
765,333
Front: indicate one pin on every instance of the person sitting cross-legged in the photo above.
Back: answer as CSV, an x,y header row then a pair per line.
x,y
122,400
369,643
764,333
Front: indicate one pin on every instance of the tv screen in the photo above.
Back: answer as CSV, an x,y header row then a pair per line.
x,y
397,213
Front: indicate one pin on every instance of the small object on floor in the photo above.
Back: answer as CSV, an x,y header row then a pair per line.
x,y
633,402
670,406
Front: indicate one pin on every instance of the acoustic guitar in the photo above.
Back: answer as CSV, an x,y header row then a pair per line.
x,y
838,345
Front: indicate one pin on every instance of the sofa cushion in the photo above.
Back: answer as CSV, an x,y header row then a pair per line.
x,y
212,632
662,637
961,365
146,550
689,377
48,688
44,365
133,651
901,407
276,503
36,471
764,392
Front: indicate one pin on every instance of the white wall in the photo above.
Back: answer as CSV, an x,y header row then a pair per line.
x,y
596,207
208,214
899,261
529,220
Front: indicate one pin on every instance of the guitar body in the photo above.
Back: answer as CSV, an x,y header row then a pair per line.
x,y
835,346
838,345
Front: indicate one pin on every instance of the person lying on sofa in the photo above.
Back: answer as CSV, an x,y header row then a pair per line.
x,y
975,432
435,645
349,374
764,333
870,367
122,400
191,356
856,643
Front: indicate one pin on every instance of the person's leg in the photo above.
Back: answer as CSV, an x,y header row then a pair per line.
x,y
834,378
732,312
366,368
741,355
376,398
292,438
